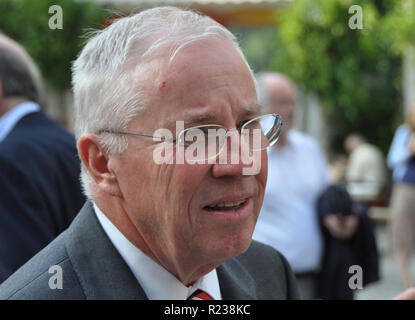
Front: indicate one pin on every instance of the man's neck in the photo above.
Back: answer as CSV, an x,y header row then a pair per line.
x,y
186,269
9,104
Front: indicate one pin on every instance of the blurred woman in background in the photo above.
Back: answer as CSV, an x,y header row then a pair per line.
x,y
401,159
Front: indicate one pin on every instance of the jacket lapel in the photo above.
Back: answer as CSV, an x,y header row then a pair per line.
x,y
235,282
102,272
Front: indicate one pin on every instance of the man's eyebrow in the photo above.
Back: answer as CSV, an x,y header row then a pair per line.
x,y
211,118
200,118
253,108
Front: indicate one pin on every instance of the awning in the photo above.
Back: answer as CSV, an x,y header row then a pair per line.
x,y
244,12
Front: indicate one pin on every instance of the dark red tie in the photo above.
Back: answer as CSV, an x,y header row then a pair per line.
x,y
200,295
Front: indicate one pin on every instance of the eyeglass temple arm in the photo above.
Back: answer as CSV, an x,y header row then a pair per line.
x,y
135,134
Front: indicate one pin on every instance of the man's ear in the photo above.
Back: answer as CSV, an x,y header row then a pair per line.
x,y
95,159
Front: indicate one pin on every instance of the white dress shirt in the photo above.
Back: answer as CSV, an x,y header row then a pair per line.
x,y
9,120
157,282
297,174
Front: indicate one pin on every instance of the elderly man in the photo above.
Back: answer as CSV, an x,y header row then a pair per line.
x,y
175,230
298,173
40,193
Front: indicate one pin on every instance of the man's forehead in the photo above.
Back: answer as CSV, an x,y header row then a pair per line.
x,y
209,88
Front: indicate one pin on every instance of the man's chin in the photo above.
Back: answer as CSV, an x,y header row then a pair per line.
x,y
231,248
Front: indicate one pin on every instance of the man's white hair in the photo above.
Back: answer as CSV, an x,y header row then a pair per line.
x,y
104,97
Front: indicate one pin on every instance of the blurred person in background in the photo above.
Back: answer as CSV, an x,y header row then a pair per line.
x,y
349,240
337,167
297,174
401,159
40,191
365,171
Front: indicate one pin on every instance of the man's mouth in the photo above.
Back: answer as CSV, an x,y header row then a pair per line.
x,y
226,205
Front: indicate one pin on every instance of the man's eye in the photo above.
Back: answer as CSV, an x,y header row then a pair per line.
x,y
196,132
249,124
204,130
241,124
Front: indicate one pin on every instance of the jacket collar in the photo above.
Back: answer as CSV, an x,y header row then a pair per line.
x,y
103,274
235,281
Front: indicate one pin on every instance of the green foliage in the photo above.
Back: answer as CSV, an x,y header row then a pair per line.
x,y
356,73
258,45
27,21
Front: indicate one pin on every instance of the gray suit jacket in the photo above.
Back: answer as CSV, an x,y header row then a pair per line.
x,y
93,269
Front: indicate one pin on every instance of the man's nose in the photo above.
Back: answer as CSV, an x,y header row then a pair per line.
x,y
230,161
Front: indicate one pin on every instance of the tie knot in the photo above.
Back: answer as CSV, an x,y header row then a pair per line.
x,y
200,295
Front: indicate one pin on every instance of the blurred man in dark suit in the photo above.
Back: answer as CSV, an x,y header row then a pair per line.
x,y
40,191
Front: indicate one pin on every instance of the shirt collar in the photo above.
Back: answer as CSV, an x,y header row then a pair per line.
x,y
156,281
9,120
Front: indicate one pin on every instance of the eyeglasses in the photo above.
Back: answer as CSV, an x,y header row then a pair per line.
x,y
207,141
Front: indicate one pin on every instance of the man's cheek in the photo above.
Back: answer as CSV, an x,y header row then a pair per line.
x,y
262,178
264,167
162,180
